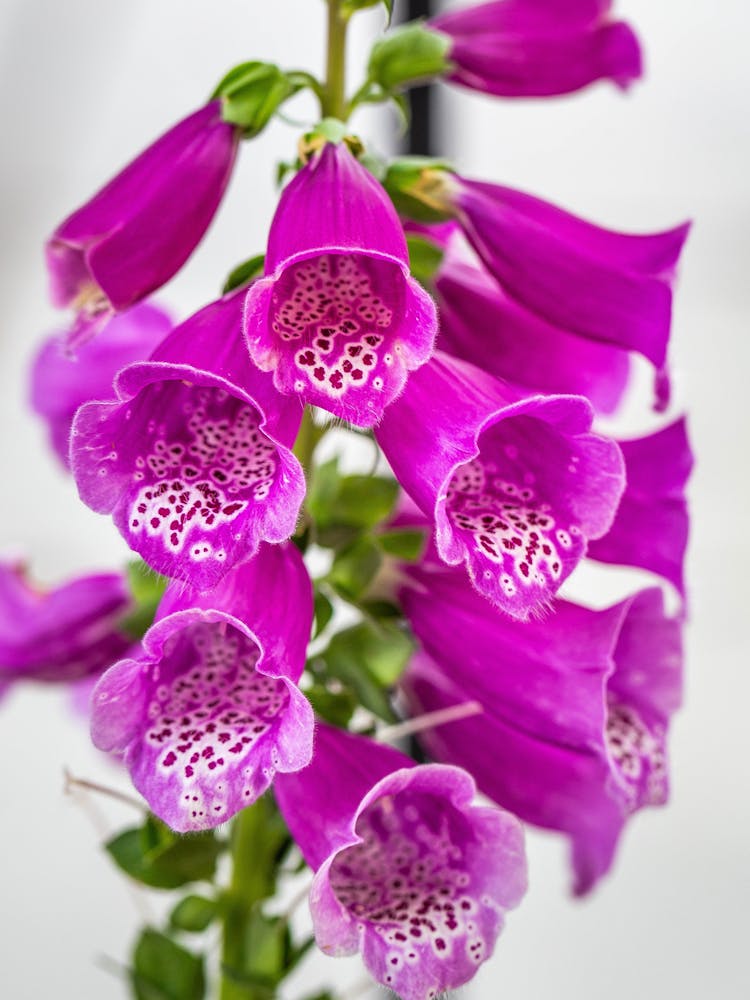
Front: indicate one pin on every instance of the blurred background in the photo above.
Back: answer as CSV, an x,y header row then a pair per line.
x,y
84,85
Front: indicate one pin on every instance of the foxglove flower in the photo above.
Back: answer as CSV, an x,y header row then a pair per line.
x,y
610,287
209,710
193,459
139,230
650,530
338,319
61,381
60,634
575,708
408,871
480,323
516,485
538,48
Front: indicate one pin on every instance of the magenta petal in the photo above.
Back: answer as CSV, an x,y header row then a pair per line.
x,y
60,634
61,381
210,710
194,459
607,286
409,872
533,48
516,485
481,324
132,236
650,530
338,320
575,708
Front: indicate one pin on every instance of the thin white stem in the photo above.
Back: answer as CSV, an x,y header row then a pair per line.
x,y
72,783
428,721
297,900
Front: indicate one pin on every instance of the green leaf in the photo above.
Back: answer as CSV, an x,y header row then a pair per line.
x,y
406,544
381,609
324,480
369,658
354,568
360,502
145,585
336,707
425,257
251,93
364,501
265,949
244,273
323,612
147,588
193,914
157,857
409,55
163,970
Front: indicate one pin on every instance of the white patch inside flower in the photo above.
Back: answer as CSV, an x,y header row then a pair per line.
x,y
211,715
205,480
330,309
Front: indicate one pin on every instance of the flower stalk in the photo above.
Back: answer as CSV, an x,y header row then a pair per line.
x,y
253,879
333,104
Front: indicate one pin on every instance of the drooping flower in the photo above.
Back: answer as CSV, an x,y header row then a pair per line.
x,y
408,871
63,633
480,323
61,381
193,459
209,710
572,736
516,485
650,530
137,232
538,48
338,318
613,288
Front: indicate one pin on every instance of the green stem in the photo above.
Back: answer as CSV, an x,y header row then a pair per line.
x,y
253,879
308,437
333,104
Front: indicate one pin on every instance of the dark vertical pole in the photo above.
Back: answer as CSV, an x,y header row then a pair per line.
x,y
420,138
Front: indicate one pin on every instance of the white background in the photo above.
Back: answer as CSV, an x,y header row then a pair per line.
x,y
84,84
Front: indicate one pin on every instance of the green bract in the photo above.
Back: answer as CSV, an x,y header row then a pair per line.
x,y
419,186
251,93
409,55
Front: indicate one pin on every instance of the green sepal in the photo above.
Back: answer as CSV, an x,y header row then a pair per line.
x,y
354,568
193,914
409,55
284,168
406,544
157,857
425,257
419,187
164,970
251,93
244,273
328,129
349,7
147,589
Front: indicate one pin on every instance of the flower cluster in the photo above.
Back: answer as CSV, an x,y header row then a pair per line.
x,y
481,383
